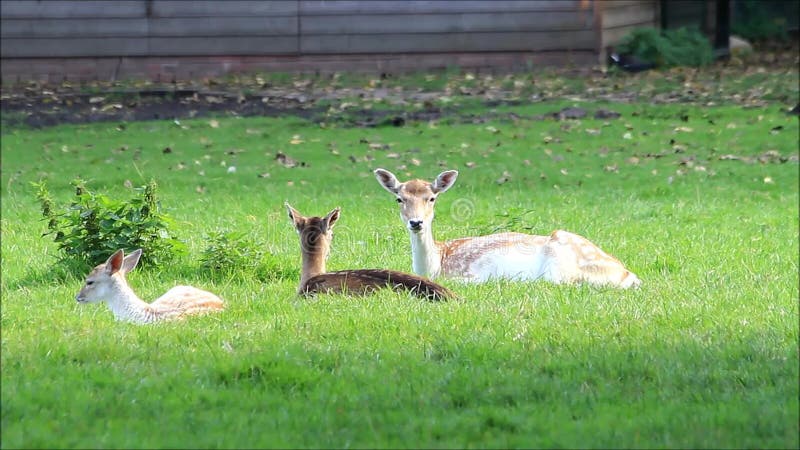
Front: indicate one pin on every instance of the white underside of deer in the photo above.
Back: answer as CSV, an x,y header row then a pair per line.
x,y
176,303
561,257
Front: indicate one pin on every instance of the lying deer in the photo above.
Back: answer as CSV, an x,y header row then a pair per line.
x,y
106,283
316,234
562,257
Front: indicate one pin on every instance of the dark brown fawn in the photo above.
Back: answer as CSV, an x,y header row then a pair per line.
x,y
316,234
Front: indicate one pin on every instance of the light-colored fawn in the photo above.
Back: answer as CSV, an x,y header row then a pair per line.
x,y
561,257
107,283
316,234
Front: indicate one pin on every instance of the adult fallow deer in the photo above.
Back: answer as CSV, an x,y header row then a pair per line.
x,y
561,257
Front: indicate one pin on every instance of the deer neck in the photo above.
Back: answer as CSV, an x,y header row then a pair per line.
x,y
126,305
313,265
425,253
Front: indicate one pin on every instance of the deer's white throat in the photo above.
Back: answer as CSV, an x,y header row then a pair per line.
x,y
426,258
126,305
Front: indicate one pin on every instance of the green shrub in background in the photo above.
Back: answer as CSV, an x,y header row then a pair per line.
x,y
679,47
229,252
94,226
759,20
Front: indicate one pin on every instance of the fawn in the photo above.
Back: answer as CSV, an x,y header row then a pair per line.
x,y
316,234
106,283
561,257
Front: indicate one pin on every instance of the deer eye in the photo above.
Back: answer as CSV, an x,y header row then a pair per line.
x,y
89,283
399,200
432,199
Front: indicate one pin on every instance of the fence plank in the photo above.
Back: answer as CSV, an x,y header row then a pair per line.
x,y
227,8
60,9
79,47
451,23
447,42
73,28
250,45
223,26
630,15
332,7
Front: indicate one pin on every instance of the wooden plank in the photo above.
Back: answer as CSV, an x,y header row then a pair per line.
x,y
451,23
614,4
227,8
613,35
250,45
106,27
223,26
634,14
349,7
71,9
447,42
61,47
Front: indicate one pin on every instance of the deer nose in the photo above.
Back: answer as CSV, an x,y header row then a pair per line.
x,y
415,224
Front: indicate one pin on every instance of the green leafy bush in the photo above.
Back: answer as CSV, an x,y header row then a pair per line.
x,y
679,47
94,226
230,252
758,20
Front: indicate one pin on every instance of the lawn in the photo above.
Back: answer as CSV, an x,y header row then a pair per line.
x,y
701,202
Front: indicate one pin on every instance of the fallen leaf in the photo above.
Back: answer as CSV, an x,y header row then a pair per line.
x,y
504,178
111,106
213,123
285,160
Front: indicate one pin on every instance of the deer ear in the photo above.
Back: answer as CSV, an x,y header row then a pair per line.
x,y
130,261
297,219
331,218
387,180
114,262
444,181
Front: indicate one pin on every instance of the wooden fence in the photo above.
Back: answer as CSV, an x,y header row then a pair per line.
x,y
300,34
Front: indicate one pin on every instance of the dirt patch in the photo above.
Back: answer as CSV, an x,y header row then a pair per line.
x,y
38,111
347,100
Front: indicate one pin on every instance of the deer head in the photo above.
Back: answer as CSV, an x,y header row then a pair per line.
x,y
416,197
101,281
316,233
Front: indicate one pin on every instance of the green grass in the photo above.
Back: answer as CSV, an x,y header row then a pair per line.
x,y
703,355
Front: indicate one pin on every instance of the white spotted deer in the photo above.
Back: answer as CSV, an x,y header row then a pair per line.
x,y
316,234
107,283
561,257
